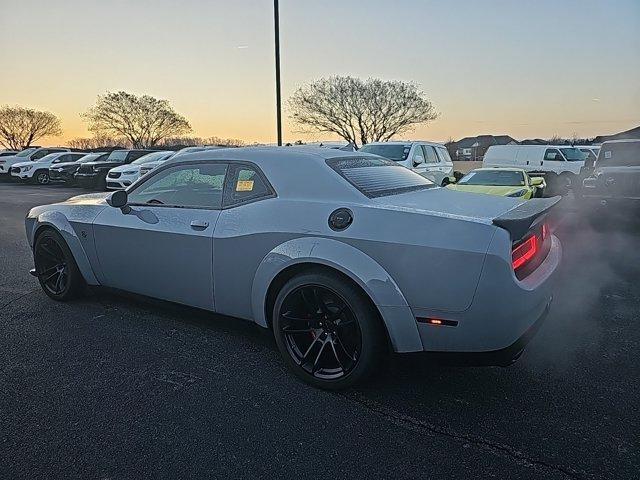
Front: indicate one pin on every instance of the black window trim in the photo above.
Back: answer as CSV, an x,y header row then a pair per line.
x,y
234,166
229,163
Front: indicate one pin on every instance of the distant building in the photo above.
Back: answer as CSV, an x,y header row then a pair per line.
x,y
474,148
628,134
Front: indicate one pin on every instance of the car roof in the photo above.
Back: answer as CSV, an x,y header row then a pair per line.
x,y
624,140
406,142
508,169
299,172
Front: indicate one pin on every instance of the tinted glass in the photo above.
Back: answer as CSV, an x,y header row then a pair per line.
x,y
117,156
183,186
26,152
151,157
493,178
429,154
64,158
553,155
396,153
625,154
93,157
589,154
573,154
246,184
443,153
377,177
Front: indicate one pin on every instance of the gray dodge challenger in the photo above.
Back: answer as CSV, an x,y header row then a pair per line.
x,y
344,256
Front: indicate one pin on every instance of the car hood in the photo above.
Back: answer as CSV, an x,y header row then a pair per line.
x,y
126,168
88,199
23,164
487,189
65,164
444,202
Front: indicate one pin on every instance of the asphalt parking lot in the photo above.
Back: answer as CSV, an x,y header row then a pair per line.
x,y
118,386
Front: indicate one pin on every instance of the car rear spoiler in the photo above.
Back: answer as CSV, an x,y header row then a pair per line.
x,y
518,221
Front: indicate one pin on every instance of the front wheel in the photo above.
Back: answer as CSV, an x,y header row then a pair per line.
x,y
56,268
41,177
327,331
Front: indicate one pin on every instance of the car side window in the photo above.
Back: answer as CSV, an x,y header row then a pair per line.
x,y
429,154
418,155
134,156
246,184
553,155
443,153
63,158
40,154
191,185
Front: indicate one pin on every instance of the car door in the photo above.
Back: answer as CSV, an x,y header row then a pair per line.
x,y
432,165
163,246
445,164
244,234
553,161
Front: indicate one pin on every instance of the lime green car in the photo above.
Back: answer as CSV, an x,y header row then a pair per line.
x,y
507,182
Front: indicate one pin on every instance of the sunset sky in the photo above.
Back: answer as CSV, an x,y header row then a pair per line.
x,y
526,69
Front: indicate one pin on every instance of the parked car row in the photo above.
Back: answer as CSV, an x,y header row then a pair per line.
x,y
114,170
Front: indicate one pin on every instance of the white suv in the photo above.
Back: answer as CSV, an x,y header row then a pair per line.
x,y
37,171
27,155
429,159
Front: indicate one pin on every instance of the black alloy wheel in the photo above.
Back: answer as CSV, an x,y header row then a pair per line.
x,y
56,268
42,177
327,332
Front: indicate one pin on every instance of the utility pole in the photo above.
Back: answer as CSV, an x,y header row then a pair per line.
x,y
276,21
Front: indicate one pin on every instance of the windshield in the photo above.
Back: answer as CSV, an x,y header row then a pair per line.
x,y
626,154
493,178
573,154
151,157
92,157
26,152
117,156
397,153
378,177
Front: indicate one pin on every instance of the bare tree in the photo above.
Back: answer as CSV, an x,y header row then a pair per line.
x,y
224,142
20,127
98,141
360,111
143,120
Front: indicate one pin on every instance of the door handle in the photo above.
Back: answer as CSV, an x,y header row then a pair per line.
x,y
199,224
527,162
541,162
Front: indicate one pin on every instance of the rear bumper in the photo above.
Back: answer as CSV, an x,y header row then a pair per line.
x,y
87,180
503,315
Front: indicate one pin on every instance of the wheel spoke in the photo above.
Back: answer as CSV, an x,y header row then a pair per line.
x,y
345,323
306,354
335,354
341,345
292,318
57,272
321,306
290,331
316,365
58,284
49,270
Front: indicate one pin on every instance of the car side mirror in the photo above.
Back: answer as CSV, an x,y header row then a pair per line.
x,y
119,200
417,160
537,181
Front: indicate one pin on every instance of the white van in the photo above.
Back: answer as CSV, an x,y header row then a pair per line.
x,y
560,164
429,159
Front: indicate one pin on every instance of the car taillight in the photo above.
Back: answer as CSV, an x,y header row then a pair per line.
x,y
524,252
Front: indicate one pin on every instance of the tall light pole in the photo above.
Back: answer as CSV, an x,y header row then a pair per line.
x,y
276,21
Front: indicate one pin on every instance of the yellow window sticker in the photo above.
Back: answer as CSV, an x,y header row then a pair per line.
x,y
244,186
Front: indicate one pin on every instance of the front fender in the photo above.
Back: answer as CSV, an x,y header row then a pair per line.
x,y
366,272
61,224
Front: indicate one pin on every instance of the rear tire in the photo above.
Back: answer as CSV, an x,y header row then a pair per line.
x,y
328,332
56,268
